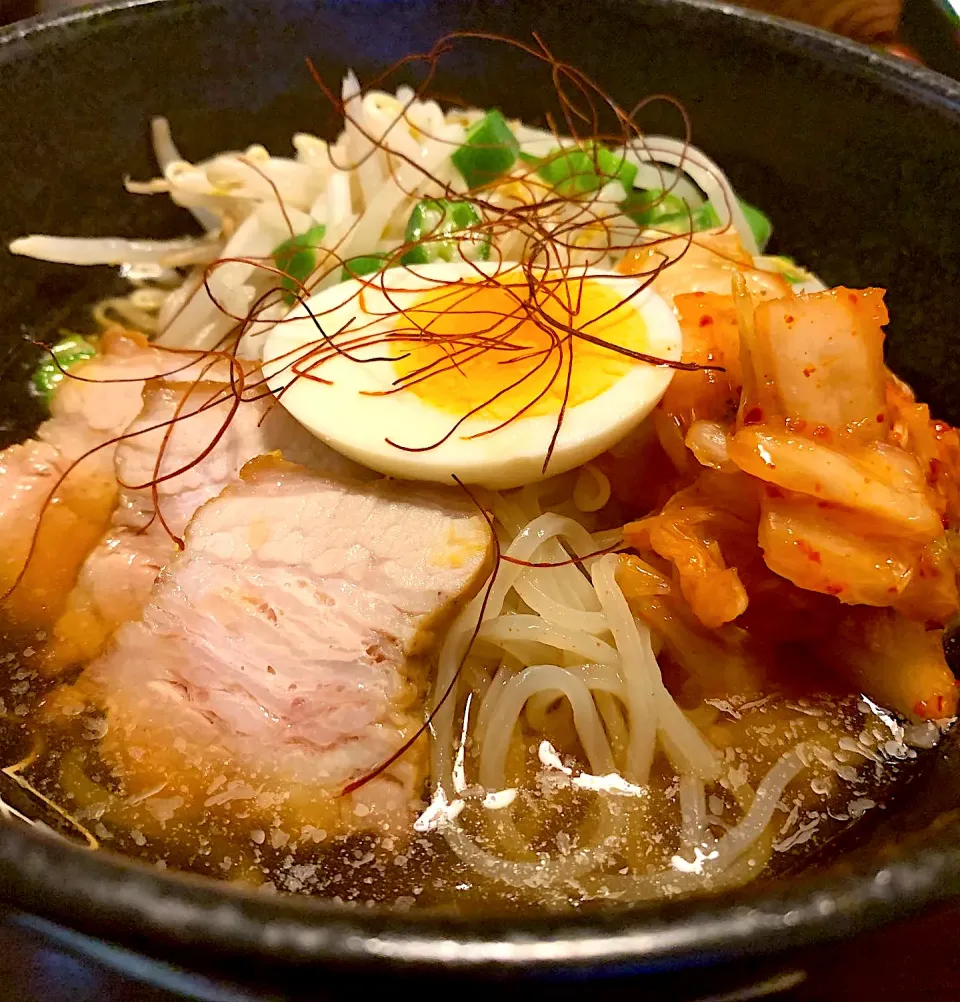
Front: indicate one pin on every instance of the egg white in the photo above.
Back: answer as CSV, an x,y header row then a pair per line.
x,y
359,426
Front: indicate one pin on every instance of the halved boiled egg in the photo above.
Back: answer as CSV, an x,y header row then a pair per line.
x,y
487,371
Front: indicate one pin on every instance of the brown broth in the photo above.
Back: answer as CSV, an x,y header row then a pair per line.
x,y
863,758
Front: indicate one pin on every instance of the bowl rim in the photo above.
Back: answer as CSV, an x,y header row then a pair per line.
x,y
126,901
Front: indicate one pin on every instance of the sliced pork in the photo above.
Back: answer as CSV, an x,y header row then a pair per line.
x,y
287,647
57,525
189,441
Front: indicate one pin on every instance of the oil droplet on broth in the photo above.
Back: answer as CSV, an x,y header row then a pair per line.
x,y
232,835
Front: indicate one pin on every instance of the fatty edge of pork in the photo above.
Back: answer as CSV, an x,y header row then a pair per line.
x,y
288,650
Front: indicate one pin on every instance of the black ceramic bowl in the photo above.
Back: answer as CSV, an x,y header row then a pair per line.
x,y
854,155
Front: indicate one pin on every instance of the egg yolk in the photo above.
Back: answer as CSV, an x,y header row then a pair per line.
x,y
497,351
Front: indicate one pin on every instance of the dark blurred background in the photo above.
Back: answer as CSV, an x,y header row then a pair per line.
x,y
866,20
901,26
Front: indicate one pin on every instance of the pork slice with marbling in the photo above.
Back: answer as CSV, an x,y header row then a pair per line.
x,y
189,441
57,490
288,647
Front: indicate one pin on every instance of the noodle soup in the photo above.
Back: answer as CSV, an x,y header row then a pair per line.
x,y
474,514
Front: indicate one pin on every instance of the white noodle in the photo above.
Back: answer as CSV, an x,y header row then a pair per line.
x,y
635,650
491,697
613,720
548,871
693,811
620,710
553,611
519,627
510,705
758,817
592,489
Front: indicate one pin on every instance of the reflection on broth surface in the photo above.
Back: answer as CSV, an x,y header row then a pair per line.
x,y
474,516
232,829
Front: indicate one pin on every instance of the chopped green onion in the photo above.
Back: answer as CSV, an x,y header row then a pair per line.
x,y
297,257
582,169
489,152
679,219
66,353
759,224
650,208
705,217
433,229
362,264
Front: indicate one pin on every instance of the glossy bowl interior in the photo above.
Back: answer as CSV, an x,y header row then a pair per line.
x,y
853,155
